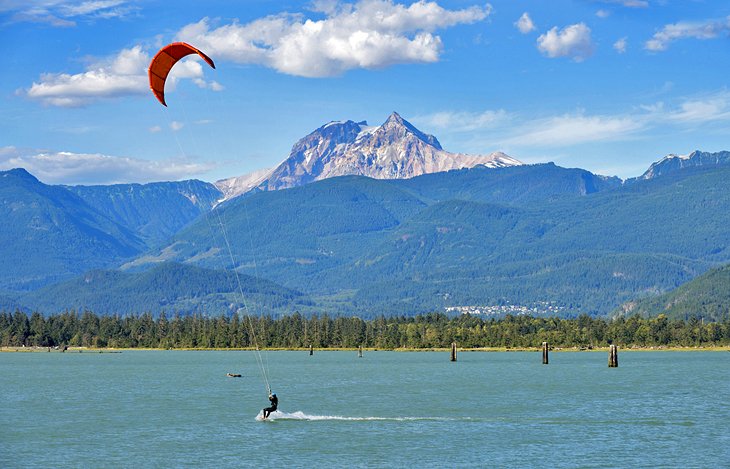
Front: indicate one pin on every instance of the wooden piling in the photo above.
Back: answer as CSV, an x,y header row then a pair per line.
x,y
311,349
453,351
544,353
613,356
359,352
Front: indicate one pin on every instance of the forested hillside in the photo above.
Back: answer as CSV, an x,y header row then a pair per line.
x,y
153,211
524,236
48,233
707,296
378,247
167,287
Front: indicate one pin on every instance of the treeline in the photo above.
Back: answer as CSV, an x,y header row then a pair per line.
x,y
296,331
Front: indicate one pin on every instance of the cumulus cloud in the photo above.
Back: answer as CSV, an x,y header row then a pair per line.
x,y
119,75
65,13
620,45
368,34
573,41
95,168
525,24
710,29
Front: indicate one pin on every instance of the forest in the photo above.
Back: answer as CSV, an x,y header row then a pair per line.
x,y
435,330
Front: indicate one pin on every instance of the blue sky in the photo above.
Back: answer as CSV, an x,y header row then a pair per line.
x,y
605,85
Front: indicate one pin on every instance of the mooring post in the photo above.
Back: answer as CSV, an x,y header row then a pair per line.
x,y
311,349
453,351
359,352
613,356
544,353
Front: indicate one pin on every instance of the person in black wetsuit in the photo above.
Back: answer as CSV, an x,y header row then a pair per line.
x,y
274,404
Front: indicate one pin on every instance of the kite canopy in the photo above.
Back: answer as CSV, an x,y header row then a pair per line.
x,y
163,62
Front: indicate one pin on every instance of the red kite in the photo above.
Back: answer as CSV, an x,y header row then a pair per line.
x,y
164,60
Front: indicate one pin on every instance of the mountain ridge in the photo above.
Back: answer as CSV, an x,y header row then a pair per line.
x,y
154,211
49,232
673,163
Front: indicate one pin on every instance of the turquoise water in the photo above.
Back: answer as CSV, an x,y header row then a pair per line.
x,y
387,409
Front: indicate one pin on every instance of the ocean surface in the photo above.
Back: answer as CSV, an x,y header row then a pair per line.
x,y
386,409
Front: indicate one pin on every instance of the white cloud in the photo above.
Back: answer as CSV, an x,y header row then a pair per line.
x,y
715,107
519,134
710,29
65,13
95,168
90,7
155,128
603,13
579,128
620,45
574,129
629,3
525,24
120,75
325,6
175,126
368,34
572,41
462,121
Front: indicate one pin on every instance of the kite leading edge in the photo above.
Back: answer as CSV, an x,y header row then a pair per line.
x,y
163,62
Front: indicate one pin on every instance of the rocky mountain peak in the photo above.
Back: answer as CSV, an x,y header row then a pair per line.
x,y
394,150
672,162
395,127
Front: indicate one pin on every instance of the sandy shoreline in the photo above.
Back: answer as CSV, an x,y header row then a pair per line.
x,y
354,349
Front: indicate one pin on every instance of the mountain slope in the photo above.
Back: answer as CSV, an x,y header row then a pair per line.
x,y
169,287
393,150
525,234
48,233
470,253
305,229
707,296
327,223
154,211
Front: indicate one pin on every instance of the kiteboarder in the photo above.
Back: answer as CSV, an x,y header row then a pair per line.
x,y
274,404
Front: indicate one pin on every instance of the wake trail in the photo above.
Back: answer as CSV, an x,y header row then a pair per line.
x,y
299,415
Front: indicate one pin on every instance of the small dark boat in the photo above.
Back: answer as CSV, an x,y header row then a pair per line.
x,y
233,375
